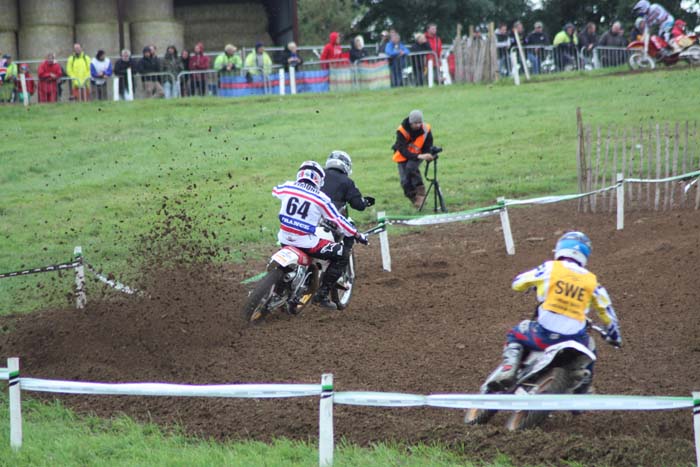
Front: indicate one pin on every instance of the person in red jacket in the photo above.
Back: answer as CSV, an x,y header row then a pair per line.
x,y
333,51
199,61
435,44
49,73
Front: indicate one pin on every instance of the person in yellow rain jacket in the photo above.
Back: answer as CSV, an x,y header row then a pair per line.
x,y
78,69
566,291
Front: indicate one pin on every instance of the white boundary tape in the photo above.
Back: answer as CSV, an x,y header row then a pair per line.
x,y
328,398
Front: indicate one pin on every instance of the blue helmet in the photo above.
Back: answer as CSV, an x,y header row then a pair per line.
x,y
575,246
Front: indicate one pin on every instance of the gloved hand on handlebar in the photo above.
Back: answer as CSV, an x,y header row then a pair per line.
x,y
362,238
613,336
369,201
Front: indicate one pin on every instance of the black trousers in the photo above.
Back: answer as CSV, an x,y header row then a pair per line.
x,y
409,172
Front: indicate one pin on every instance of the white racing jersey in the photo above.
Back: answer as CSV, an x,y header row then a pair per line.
x,y
303,207
657,15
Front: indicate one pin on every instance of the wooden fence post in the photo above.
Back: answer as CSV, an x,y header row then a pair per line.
x,y
15,403
325,422
657,188
580,151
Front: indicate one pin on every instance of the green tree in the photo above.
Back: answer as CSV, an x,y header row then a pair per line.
x,y
318,18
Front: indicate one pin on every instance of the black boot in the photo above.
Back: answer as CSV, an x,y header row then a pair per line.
x,y
322,298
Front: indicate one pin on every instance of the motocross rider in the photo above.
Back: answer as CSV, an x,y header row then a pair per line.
x,y
303,206
566,291
339,187
655,15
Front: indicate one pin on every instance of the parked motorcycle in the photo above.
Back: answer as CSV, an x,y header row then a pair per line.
x,y
559,369
293,277
657,52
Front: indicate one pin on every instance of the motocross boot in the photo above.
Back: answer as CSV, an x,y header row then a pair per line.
x,y
504,376
322,298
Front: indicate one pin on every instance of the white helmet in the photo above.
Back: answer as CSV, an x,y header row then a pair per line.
x,y
340,160
311,172
640,8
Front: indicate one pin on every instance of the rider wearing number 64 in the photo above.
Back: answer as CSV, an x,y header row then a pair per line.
x,y
303,207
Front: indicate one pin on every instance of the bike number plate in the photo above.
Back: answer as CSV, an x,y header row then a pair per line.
x,y
285,257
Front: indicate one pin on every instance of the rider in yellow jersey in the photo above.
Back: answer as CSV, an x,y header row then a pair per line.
x,y
566,291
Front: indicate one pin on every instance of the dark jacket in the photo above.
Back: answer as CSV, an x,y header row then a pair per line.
x,y
612,40
537,38
356,54
149,65
120,67
586,38
341,190
286,55
401,144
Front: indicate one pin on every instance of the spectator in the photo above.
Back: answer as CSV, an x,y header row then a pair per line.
x,y
418,62
149,68
566,45
257,61
433,39
199,61
332,51
78,69
49,73
28,80
397,53
535,42
100,70
615,37
124,63
637,33
8,73
358,52
291,57
502,48
383,41
479,33
228,62
172,66
588,38
186,83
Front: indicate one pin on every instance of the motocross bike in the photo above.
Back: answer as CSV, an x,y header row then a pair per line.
x,y
647,55
293,277
559,369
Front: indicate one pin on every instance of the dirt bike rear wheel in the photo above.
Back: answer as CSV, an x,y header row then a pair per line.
x,y
478,416
555,381
341,297
256,307
692,54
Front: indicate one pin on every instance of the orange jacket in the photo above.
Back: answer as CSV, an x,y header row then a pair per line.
x,y
414,146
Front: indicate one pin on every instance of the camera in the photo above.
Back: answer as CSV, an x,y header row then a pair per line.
x,y
434,151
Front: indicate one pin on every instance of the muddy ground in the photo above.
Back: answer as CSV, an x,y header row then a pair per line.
x,y
434,324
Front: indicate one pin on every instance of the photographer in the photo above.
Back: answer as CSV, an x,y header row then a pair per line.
x,y
414,141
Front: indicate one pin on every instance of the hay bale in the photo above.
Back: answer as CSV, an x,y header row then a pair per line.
x,y
240,12
9,20
8,43
160,33
95,11
56,12
96,36
151,10
216,34
36,41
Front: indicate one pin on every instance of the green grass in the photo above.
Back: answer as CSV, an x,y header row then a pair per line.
x,y
53,435
95,174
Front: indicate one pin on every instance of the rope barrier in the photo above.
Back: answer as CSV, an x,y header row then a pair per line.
x,y
112,283
52,268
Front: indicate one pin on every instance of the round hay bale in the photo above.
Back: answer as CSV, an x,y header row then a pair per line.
x,y
151,10
160,33
96,36
95,11
216,34
36,41
57,12
8,43
9,20
238,12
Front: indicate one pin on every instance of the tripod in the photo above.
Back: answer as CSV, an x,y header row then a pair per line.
x,y
435,186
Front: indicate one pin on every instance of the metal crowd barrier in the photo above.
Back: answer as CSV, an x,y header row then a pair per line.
x,y
547,59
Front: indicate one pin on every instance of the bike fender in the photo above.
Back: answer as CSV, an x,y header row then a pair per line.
x,y
552,351
289,257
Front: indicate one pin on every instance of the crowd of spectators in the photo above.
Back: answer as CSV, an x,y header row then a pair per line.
x,y
88,78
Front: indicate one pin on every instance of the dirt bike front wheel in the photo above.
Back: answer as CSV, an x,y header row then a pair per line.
x,y
255,308
342,292
555,381
638,61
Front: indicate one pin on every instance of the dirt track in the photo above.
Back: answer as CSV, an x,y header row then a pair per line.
x,y
436,324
